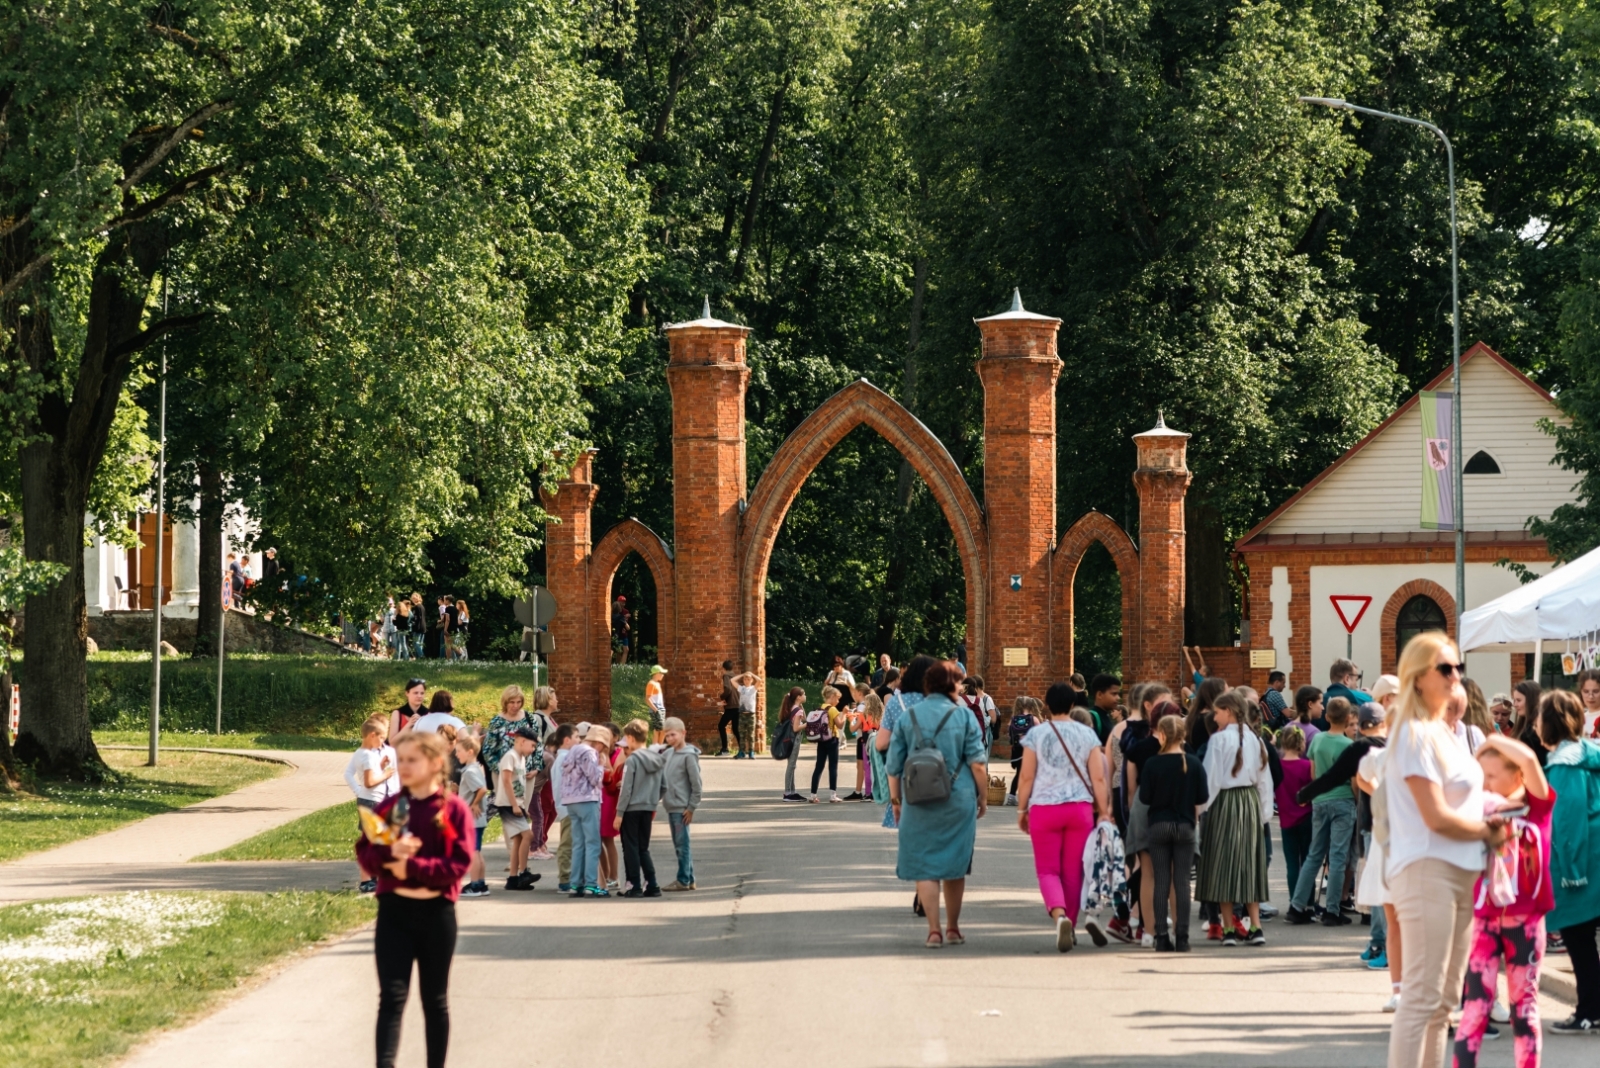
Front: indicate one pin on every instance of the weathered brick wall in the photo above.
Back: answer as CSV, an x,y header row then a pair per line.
x,y
1162,479
576,667
1019,368
627,537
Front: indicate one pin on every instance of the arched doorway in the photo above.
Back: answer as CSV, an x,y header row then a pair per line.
x,y
1419,605
627,538
1417,616
858,404
1092,528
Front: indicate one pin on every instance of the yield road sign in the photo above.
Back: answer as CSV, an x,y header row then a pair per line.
x,y
1346,604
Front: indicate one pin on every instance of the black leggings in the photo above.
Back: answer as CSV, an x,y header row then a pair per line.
x,y
636,859
423,932
827,751
730,718
1016,765
1171,846
1581,951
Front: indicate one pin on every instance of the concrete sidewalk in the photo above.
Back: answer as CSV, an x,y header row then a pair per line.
x,y
800,948
125,858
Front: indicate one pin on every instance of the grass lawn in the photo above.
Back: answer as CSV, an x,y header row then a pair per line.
x,y
63,812
200,740
328,834
82,980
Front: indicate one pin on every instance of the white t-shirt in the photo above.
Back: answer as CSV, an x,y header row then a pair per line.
x,y
517,765
1429,749
747,699
376,760
1057,782
472,780
1468,736
434,720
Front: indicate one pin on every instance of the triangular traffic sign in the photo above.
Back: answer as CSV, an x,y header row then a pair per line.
x,y
1357,603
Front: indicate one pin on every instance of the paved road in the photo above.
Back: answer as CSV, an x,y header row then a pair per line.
x,y
800,949
151,853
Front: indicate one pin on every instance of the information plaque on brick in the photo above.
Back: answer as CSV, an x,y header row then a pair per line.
x,y
1264,658
1016,656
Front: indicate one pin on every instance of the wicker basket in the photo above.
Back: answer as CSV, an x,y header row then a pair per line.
x,y
997,790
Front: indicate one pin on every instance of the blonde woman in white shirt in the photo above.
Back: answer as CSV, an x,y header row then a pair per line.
x,y
1434,792
1233,849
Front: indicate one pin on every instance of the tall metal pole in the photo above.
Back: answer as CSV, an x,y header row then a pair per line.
x,y
161,517
222,634
1456,446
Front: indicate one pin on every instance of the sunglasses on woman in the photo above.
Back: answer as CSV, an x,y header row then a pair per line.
x,y
1450,669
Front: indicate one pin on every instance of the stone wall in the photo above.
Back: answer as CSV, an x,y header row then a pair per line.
x,y
131,631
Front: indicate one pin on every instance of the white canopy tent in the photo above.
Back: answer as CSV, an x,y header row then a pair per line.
x,y
1563,606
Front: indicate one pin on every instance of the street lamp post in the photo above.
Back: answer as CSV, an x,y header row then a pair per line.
x,y
1455,315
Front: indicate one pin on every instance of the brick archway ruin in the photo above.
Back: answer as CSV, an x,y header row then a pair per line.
x,y
858,404
710,581
1090,528
631,536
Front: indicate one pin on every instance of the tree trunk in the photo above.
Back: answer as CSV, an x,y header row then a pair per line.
x,y
758,180
210,520
71,431
1210,597
8,760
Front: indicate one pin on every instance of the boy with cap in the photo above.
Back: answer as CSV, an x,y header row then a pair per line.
x,y
680,795
656,700
510,798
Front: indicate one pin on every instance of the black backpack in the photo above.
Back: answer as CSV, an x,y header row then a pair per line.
x,y
783,741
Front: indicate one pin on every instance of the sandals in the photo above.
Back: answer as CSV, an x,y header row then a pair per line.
x,y
953,937
935,940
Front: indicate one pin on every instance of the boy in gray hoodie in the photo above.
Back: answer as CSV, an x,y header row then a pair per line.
x,y
681,794
636,807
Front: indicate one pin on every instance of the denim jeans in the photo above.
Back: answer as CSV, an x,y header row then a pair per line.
x,y
680,845
585,816
1332,823
401,644
1296,844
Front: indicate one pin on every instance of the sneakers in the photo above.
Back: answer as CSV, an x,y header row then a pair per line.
x,y
1118,929
834,800
564,888
1230,939
1096,932
815,799
1553,943
368,887
541,854
1296,917
475,889
1371,951
854,795
1380,962
1240,929
1011,801
794,797
1576,1025
1147,940
1065,938
517,882
1181,943
614,886
1393,1003
1499,1012
675,886
1213,932
654,891
633,891
1335,919
1256,937
1164,944
1490,1032
1268,912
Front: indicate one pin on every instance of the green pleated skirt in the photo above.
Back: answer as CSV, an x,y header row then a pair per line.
x,y
1233,851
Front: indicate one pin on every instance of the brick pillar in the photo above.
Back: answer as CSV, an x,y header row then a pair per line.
x,y
1018,369
575,666
1162,479
707,375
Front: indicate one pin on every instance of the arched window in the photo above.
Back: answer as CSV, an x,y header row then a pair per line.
x,y
1481,464
1417,615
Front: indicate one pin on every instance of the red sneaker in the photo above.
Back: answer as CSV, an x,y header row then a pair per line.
x,y
1119,930
1214,932
1239,926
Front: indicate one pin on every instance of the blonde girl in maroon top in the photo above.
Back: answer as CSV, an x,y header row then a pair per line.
x,y
419,879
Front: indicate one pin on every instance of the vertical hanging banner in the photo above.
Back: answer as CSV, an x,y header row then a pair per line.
x,y
1438,486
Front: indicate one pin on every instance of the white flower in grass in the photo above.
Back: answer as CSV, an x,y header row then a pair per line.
x,y
89,931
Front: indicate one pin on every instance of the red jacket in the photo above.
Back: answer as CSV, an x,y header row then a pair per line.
x,y
443,822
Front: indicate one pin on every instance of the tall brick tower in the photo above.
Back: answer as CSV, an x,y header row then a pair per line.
x,y
707,375
1162,479
575,667
1019,368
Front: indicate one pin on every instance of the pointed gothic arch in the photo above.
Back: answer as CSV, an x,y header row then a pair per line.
x,y
1094,527
630,536
860,403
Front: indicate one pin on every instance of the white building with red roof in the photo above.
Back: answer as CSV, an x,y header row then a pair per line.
x,y
1349,547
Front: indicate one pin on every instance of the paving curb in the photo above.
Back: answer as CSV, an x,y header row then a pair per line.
x,y
250,754
1558,985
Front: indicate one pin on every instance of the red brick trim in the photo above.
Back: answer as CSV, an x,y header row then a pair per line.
x,y
1094,527
1387,655
858,403
630,536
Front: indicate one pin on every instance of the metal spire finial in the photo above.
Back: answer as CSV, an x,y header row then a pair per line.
x,y
705,309
1161,421
1016,299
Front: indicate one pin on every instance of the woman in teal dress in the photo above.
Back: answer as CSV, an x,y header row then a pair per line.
x,y
907,695
936,838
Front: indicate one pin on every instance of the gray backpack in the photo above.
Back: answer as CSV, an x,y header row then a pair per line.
x,y
926,778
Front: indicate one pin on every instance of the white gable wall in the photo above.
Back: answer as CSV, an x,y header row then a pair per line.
x,y
1379,488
